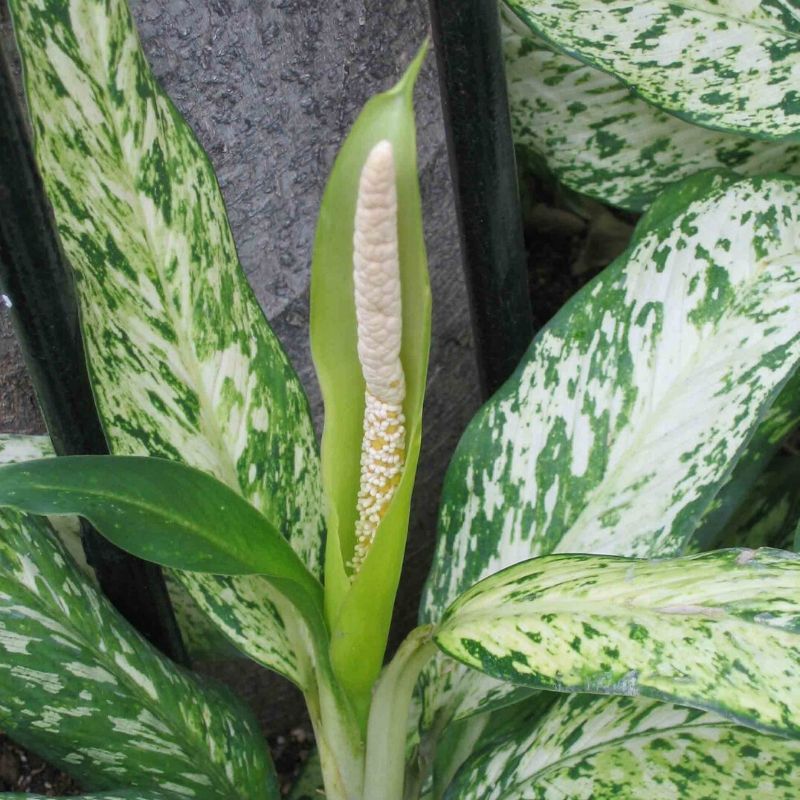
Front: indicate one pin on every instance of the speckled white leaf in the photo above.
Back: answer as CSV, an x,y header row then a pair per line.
x,y
623,748
602,140
746,486
182,362
634,404
80,687
15,448
718,630
727,64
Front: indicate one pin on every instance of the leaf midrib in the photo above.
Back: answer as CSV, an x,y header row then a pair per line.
x,y
127,500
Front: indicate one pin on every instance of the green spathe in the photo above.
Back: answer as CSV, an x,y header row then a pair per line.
x,y
359,613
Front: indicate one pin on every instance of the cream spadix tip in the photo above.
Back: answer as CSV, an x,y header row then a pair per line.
x,y
376,276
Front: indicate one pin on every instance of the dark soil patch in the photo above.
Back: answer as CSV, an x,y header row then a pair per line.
x,y
569,240
20,771
290,752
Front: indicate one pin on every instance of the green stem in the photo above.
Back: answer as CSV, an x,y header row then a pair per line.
x,y
388,720
338,739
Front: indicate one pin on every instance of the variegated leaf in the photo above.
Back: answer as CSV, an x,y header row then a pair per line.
x,y
16,448
730,65
80,687
602,140
182,362
744,486
718,631
622,748
634,404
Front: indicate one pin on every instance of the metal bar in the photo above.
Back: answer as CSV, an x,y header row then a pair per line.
x,y
466,37
37,279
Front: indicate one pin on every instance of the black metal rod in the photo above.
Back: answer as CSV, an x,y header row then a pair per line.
x,y
466,37
37,279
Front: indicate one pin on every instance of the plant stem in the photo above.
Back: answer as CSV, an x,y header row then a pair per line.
x,y
388,719
338,738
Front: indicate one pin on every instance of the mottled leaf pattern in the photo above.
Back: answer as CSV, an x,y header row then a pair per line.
x,y
633,405
744,486
15,448
727,64
79,686
602,140
624,748
182,362
719,630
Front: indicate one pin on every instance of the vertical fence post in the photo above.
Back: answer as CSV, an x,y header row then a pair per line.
x,y
38,282
474,99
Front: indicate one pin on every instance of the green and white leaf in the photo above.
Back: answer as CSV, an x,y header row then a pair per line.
x,y
731,65
15,448
634,404
719,631
80,687
602,140
624,748
182,362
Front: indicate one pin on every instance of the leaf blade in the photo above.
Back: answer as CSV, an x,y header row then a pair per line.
x,y
603,141
590,748
718,631
159,510
542,466
725,66
182,363
83,689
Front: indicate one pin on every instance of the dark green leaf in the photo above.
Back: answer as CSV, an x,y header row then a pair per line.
x,y
158,510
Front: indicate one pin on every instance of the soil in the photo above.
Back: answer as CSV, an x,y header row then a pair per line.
x,y
22,772
569,240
